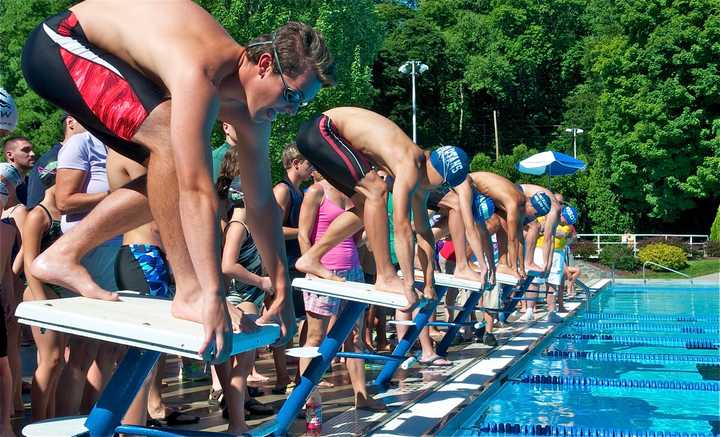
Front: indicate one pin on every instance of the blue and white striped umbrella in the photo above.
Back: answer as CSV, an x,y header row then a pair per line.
x,y
550,163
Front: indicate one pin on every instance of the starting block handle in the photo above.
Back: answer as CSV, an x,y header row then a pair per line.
x,y
369,356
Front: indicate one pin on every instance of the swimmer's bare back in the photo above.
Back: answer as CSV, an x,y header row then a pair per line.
x,y
160,39
376,137
502,191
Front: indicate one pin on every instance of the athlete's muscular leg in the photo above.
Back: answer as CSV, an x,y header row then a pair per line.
x,y
124,209
457,234
508,264
163,197
344,225
375,191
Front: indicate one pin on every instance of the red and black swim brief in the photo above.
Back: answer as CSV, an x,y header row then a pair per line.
x,y
105,94
331,154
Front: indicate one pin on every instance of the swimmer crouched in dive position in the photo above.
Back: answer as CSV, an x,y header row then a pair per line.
x,y
150,86
347,146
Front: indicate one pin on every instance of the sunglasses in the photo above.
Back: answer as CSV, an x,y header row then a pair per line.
x,y
290,95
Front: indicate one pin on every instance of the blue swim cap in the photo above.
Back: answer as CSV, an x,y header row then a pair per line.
x,y
570,214
541,202
483,207
452,163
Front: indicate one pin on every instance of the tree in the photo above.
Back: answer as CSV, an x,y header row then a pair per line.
x,y
338,21
38,119
655,140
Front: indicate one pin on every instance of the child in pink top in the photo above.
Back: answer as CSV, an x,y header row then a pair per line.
x,y
321,205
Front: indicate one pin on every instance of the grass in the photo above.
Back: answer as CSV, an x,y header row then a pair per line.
x,y
694,269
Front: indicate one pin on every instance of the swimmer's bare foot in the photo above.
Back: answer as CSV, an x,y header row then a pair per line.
x,y
314,267
394,284
532,267
56,267
369,403
469,274
186,308
506,270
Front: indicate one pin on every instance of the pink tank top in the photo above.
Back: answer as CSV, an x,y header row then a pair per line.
x,y
344,256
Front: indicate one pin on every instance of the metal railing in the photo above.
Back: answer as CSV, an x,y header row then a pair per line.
x,y
663,267
633,240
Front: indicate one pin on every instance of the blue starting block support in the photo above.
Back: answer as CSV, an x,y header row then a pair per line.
x,y
142,322
511,295
421,320
470,306
357,296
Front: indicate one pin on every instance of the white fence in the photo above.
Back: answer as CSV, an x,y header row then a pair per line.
x,y
696,242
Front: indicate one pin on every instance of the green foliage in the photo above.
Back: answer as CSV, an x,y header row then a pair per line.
x,y
654,69
715,228
663,254
38,119
619,257
584,249
712,248
642,78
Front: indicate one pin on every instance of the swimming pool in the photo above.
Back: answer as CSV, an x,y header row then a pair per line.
x,y
635,360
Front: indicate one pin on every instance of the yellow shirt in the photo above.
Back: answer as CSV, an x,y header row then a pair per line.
x,y
559,242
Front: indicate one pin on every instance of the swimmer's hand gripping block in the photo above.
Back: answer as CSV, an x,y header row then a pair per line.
x,y
141,321
354,291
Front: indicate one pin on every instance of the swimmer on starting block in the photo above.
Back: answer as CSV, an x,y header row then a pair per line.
x,y
552,218
466,218
347,146
149,81
513,209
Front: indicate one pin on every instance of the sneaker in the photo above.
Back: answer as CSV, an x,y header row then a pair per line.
x,y
527,317
216,398
553,318
489,340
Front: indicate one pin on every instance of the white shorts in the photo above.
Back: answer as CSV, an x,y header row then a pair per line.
x,y
556,269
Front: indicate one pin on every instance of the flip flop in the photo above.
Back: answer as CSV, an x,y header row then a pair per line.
x,y
435,360
256,408
179,418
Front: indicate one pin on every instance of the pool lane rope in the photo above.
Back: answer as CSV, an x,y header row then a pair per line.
x,y
559,430
576,381
645,326
653,317
611,356
631,340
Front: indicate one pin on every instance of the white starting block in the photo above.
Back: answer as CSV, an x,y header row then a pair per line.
x,y
448,280
144,322
354,291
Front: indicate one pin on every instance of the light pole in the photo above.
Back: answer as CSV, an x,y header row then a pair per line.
x,y
413,68
575,131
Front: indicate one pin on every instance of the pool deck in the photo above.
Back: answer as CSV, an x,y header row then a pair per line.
x,y
422,400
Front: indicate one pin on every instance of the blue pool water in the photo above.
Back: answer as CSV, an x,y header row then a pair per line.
x,y
649,360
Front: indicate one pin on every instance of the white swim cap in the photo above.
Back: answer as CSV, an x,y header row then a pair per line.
x,y
8,112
